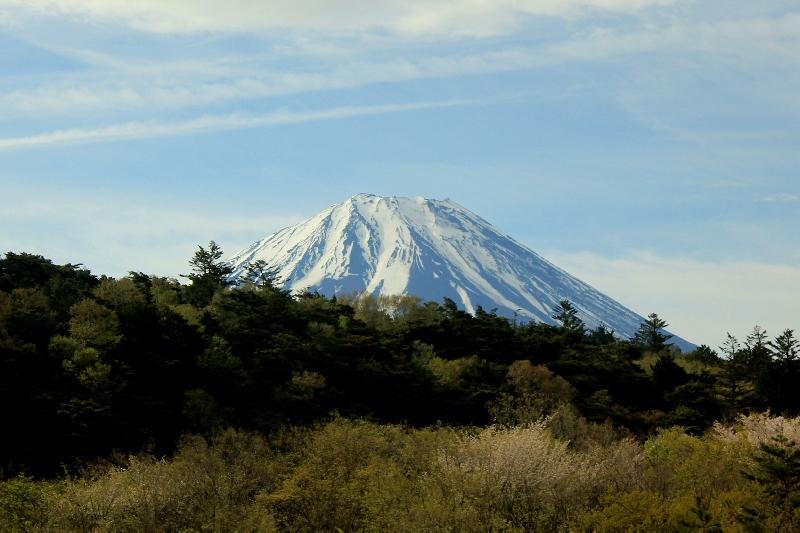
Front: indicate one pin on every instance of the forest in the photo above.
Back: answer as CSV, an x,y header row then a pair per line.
x,y
147,403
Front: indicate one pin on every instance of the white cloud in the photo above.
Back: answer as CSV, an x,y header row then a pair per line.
x,y
112,235
783,198
175,85
145,130
119,84
701,300
427,17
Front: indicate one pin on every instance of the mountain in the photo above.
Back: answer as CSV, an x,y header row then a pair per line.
x,y
432,249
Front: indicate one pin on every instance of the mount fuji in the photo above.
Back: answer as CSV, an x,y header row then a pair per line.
x,y
432,249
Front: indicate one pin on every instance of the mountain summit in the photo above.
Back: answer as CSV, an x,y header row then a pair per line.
x,y
432,249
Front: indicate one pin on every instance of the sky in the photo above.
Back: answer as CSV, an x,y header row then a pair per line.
x,y
650,147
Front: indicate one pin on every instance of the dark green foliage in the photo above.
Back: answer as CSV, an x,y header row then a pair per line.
x,y
566,314
704,355
651,333
259,273
209,274
90,366
734,375
63,285
601,336
667,374
783,374
22,503
692,404
778,468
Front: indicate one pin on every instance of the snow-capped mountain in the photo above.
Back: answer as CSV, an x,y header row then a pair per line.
x,y
432,249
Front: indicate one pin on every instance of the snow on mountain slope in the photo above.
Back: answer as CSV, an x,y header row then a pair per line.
x,y
432,249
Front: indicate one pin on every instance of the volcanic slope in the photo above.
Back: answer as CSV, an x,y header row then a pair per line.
x,y
432,249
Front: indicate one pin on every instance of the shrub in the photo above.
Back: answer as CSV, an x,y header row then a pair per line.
x,y
22,504
354,475
524,478
206,486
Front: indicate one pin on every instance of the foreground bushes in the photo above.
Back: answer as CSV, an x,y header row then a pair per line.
x,y
354,475
205,486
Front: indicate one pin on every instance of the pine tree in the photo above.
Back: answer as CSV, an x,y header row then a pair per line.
x,y
567,315
734,374
667,374
208,264
785,347
777,469
259,274
759,360
209,274
651,333
784,374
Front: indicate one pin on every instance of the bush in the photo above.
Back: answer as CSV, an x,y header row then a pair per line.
x,y
22,503
206,486
524,478
350,475
355,475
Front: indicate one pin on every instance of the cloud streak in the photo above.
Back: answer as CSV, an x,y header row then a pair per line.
x,y
118,84
443,18
212,123
782,198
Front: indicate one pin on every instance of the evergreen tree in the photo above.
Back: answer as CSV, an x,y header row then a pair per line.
x,y
259,274
209,274
759,359
667,374
567,315
785,347
784,374
601,336
704,354
733,378
651,333
777,469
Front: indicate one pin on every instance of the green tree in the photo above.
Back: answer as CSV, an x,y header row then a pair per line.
x,y
777,469
784,374
759,360
259,274
651,333
705,355
601,336
567,315
667,374
733,377
209,274
785,347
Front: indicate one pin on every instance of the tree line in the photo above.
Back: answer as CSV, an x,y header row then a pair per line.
x,y
93,366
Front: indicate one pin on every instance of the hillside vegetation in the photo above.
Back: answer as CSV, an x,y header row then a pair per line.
x,y
141,403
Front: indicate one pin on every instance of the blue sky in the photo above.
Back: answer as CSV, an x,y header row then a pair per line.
x,y
651,147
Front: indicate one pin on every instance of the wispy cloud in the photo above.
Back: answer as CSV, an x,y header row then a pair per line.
x,y
115,84
175,85
414,17
146,130
118,84
783,198
112,235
